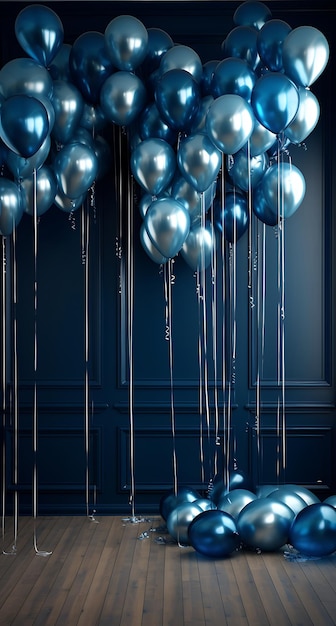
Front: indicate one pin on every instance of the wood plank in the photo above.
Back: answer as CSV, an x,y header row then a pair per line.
x,y
248,590
268,593
135,592
233,606
191,587
211,593
153,597
173,613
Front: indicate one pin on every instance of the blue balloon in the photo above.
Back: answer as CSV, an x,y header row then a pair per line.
x,y
261,209
270,41
44,194
126,41
198,247
289,497
179,520
182,57
153,164
234,501
22,167
170,500
90,65
11,206
25,76
24,124
40,32
275,101
313,531
208,73
265,524
214,534
306,118
233,75
59,67
261,139
151,124
76,167
232,219
247,173
229,122
252,13
149,247
122,97
305,54
177,96
194,201
159,42
199,161
241,43
167,223
284,188
68,103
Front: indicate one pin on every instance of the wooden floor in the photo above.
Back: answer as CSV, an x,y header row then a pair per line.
x,y
113,571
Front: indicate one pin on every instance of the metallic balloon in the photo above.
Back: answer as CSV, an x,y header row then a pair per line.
x,y
261,139
11,206
241,42
170,500
25,76
159,42
289,497
214,534
198,247
90,65
284,188
331,500
275,101
44,195
151,124
147,199
181,57
265,524
177,97
126,41
247,173
252,14
167,223
229,123
39,32
22,167
194,201
205,504
122,97
76,167
233,75
234,501
306,494
270,41
261,209
59,67
179,519
69,106
149,247
232,218
198,123
208,72
306,118
153,164
198,160
66,204
305,54
93,118
24,124
313,531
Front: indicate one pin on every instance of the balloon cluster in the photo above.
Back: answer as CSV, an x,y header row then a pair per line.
x,y
188,123
236,517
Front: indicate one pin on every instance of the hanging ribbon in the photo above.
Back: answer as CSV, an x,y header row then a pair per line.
x,y
169,280
4,379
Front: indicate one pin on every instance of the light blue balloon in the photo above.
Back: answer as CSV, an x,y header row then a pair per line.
x,y
147,199
126,41
167,223
233,75
229,123
199,161
306,118
11,206
231,217
69,106
76,167
25,76
261,139
305,54
198,247
265,524
149,247
122,97
66,204
194,201
177,96
275,101
181,57
251,13
284,188
46,188
40,33
247,173
234,501
270,41
153,164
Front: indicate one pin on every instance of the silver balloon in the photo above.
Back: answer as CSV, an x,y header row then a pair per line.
x,y
199,161
284,188
46,188
305,54
180,518
11,206
289,497
66,204
122,97
205,504
194,201
167,223
247,173
149,247
69,105
306,494
229,122
306,118
234,501
183,58
265,524
198,247
261,139
76,167
25,76
153,164
126,41
331,500
147,199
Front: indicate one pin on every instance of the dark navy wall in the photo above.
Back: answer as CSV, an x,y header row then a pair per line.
x,y
310,311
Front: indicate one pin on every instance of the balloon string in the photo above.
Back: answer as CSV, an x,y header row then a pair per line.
x,y
226,426
281,417
200,386
169,278
4,380
214,340
205,337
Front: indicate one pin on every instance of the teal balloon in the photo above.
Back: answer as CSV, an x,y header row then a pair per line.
x,y
313,531
284,187
69,105
265,524
167,223
306,117
199,161
11,206
246,172
232,218
214,534
261,209
76,168
198,247
22,167
234,501
331,500
233,75
179,519
177,97
44,193
159,42
229,123
275,101
149,247
252,13
181,57
25,76
151,124
126,40
305,55
153,164
270,42
122,97
90,65
40,33
24,124
241,42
